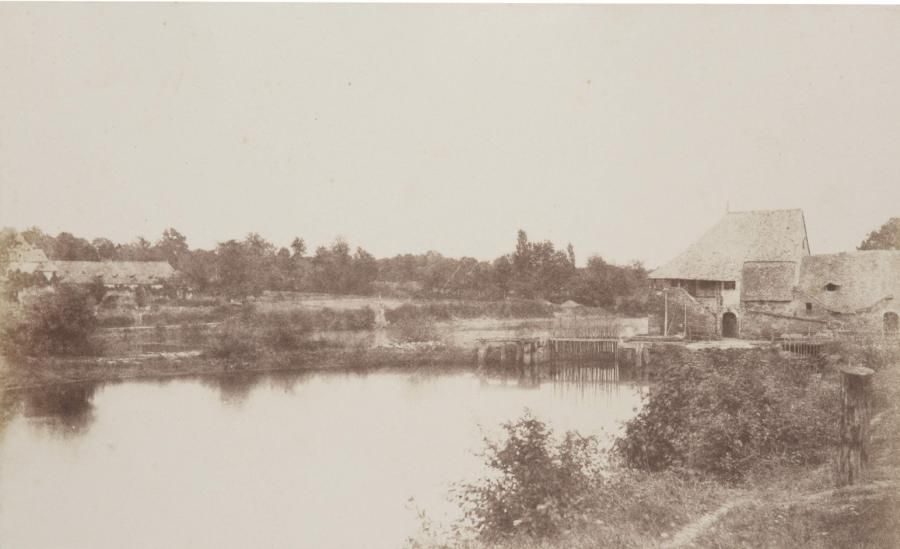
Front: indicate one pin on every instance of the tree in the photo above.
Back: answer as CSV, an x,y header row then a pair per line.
x,y
106,249
57,323
173,247
70,248
887,237
299,247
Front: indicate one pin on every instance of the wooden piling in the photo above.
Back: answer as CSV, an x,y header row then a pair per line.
x,y
856,395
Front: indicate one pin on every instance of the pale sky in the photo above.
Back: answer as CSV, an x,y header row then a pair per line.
x,y
623,129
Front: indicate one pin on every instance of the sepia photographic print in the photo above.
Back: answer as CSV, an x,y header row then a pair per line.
x,y
449,276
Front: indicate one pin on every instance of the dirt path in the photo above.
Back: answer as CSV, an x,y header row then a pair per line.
x,y
689,533
784,515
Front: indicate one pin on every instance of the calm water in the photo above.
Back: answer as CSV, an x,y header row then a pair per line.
x,y
299,460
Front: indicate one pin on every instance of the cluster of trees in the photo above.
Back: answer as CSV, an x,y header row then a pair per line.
x,y
239,268
534,270
886,237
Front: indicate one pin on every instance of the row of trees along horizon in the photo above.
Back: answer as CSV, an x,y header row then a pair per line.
x,y
241,268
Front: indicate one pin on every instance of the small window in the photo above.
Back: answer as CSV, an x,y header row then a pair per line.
x,y
809,307
729,285
831,287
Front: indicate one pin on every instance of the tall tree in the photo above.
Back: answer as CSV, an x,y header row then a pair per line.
x,y
173,247
887,237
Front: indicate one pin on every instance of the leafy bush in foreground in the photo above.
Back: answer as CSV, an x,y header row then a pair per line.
x,y
727,412
539,485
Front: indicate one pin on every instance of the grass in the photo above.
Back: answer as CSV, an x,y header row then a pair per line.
x,y
774,502
443,311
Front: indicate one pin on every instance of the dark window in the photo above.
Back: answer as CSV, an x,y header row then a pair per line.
x,y
809,307
832,286
729,285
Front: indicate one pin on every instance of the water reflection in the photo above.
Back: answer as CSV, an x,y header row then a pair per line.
x,y
65,410
326,459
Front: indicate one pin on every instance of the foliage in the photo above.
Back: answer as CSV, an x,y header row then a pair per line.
x,y
55,323
886,237
240,268
539,485
511,308
16,281
410,330
97,289
727,412
252,333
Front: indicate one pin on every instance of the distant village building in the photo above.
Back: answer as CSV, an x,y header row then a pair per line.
x,y
115,274
27,258
752,275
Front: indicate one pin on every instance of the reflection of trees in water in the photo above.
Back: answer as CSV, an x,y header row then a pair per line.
x,y
10,405
64,409
233,388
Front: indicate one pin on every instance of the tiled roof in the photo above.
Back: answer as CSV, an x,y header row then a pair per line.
x,y
739,237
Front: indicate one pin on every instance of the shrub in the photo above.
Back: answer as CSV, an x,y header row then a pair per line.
x,y
233,342
539,486
56,323
727,412
441,311
414,331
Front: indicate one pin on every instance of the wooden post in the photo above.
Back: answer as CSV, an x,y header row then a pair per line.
x,y
665,313
482,353
856,394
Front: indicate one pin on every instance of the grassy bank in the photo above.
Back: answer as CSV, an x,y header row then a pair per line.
x,y
733,449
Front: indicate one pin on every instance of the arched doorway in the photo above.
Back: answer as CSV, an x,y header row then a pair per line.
x,y
729,325
891,323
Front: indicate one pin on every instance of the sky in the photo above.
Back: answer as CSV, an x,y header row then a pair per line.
x,y
625,130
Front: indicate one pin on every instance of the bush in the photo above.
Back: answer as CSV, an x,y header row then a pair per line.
x,y
442,311
56,323
539,486
727,412
414,331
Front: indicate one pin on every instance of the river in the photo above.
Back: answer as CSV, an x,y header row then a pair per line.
x,y
288,460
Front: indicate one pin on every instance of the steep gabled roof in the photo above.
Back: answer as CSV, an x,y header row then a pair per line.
x,y
739,237
862,279
114,272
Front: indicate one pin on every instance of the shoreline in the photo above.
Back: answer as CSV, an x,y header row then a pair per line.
x,y
32,373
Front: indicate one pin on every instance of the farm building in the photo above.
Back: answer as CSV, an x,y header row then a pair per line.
x,y
29,259
752,275
115,274
747,258
857,290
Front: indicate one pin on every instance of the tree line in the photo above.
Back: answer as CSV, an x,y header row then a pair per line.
x,y
240,268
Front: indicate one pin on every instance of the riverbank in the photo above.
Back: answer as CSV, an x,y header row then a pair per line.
x,y
781,499
29,373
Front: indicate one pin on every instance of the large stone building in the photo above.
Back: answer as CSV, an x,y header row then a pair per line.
x,y
752,275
